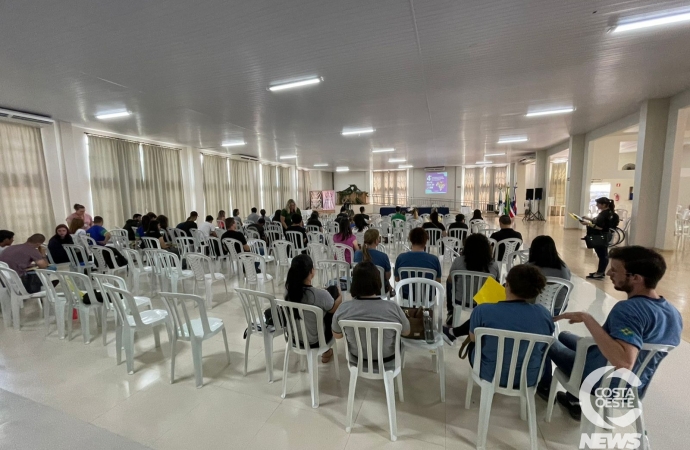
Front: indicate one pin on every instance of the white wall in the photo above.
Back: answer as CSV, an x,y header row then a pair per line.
x,y
321,180
607,155
342,180
684,191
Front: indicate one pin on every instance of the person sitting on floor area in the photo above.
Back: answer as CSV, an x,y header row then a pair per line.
x,y
6,239
368,305
299,289
644,318
254,217
506,232
22,256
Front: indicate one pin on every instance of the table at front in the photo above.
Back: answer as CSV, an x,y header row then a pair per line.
x,y
387,210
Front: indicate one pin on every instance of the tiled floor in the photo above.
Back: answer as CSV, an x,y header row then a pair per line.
x,y
59,390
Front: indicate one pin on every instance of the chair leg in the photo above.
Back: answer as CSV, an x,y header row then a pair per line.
x,y
16,306
246,351
60,319
227,349
46,315
104,325
335,360
157,337
531,417
173,344
552,398
401,397
208,293
118,344
351,398
313,366
129,349
390,399
285,369
442,372
84,320
268,354
470,385
198,367
640,427
484,414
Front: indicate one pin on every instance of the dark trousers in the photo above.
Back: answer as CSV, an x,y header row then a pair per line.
x,y
603,254
31,282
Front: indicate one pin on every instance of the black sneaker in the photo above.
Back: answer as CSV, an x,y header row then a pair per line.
x,y
596,276
573,408
449,319
448,336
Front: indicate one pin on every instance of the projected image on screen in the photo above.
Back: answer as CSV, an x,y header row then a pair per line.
x,y
437,183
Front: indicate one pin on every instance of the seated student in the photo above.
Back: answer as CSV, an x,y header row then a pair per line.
x,y
220,219
517,312
236,216
476,257
476,215
361,212
506,232
459,223
6,239
190,223
263,216
97,232
207,228
232,233
368,305
314,220
22,256
417,257
259,228
298,285
398,214
345,237
644,318
544,256
369,253
254,217
360,224
134,222
76,227
276,216
297,225
55,244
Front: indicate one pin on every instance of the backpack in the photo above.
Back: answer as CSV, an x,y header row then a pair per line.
x,y
614,220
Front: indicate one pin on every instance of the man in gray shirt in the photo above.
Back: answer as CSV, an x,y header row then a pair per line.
x,y
369,306
254,217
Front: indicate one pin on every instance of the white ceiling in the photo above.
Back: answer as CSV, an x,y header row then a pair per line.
x,y
440,80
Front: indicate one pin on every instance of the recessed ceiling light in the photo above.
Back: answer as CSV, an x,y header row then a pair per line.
x,y
550,112
357,131
233,143
342,169
495,154
113,115
648,23
405,166
295,84
397,160
288,157
382,150
321,165
483,162
510,140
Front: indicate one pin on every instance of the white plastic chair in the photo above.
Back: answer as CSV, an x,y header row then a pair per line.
x,y
203,269
254,304
333,227
474,223
258,247
231,245
470,283
424,293
134,321
119,242
57,300
102,266
251,233
171,269
489,388
382,274
451,248
434,241
17,294
282,250
417,272
340,250
369,335
120,283
118,232
76,286
193,330
515,258
185,245
298,342
509,246
312,228
334,270
554,286
459,234
78,259
315,237
137,269
573,383
248,267
297,240
150,242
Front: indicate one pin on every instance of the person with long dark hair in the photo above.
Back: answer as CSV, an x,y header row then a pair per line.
x,y
601,224
345,236
276,216
55,244
369,253
360,223
477,215
299,289
476,257
544,256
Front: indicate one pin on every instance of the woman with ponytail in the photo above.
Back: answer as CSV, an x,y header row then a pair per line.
x,y
369,253
300,290
601,224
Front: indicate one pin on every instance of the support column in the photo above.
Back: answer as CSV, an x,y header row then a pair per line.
x,y
573,187
649,170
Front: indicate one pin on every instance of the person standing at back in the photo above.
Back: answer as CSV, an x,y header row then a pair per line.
x,y
506,232
254,217
602,224
80,213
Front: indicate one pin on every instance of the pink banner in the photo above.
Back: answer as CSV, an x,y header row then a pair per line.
x,y
328,200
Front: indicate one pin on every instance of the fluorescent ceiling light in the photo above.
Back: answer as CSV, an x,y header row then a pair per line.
x,y
281,87
321,165
382,150
233,143
113,115
495,154
648,23
356,131
288,157
483,162
510,140
405,166
342,169
550,112
397,160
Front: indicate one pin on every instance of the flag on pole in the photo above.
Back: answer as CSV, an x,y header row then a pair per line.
x,y
506,206
500,200
513,205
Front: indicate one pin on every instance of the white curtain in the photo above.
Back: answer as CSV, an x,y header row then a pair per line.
x,y
285,186
390,187
499,184
244,185
216,184
163,181
469,187
269,186
25,200
303,188
557,183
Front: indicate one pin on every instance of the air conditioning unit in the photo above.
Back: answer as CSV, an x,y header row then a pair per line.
x,y
435,169
528,159
247,157
18,116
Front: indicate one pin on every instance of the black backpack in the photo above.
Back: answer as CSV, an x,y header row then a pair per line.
x,y
614,220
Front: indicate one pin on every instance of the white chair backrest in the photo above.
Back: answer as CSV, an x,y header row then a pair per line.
x,y
199,264
293,313
464,286
554,286
282,250
179,307
333,228
102,279
451,247
152,256
382,274
118,232
77,256
254,304
509,246
120,242
75,286
417,272
251,233
474,223
150,242
134,259
369,338
124,304
340,250
258,247
44,275
533,342
359,236
458,233
515,258
272,236
185,245
334,270
169,263
296,239
232,245
315,237
313,228
434,236
247,262
98,253
422,293
318,252
12,281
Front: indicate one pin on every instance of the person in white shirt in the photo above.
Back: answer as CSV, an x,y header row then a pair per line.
x,y
207,227
254,217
